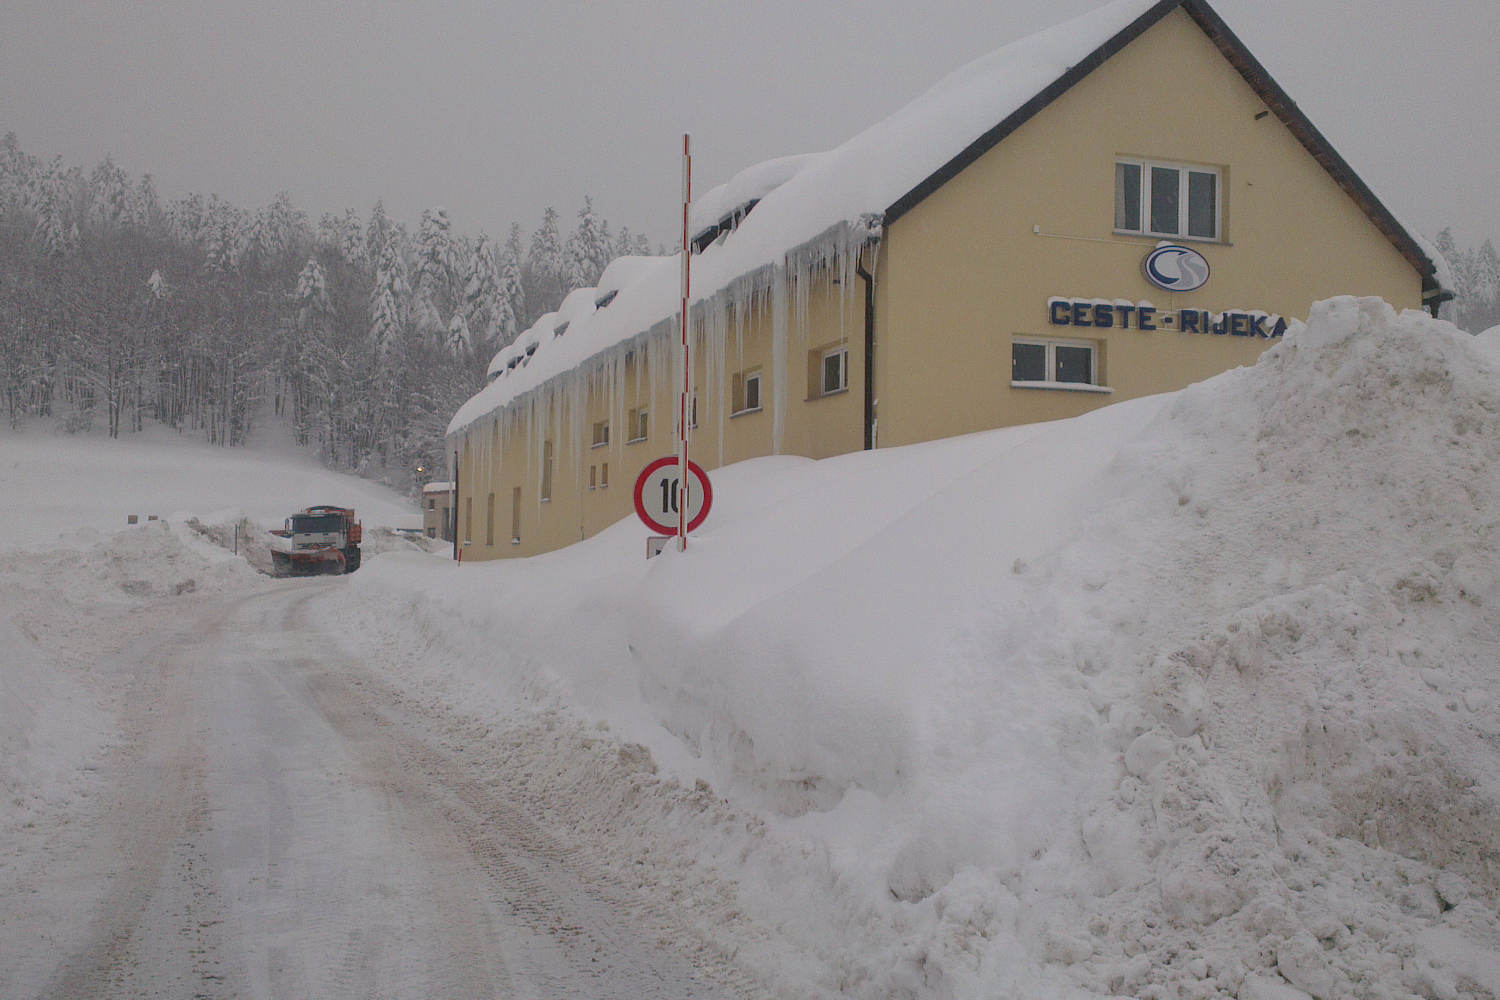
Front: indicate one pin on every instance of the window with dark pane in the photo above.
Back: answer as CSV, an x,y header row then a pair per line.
x,y
1128,196
1165,183
1203,204
1028,363
1074,364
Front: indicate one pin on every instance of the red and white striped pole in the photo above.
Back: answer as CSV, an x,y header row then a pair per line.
x,y
684,401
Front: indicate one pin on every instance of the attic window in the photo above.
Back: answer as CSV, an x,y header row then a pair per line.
x,y
1167,199
513,362
606,298
728,224
562,328
530,349
705,239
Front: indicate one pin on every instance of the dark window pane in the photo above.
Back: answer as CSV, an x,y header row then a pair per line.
x,y
1128,196
752,392
1028,363
317,523
1075,364
1203,204
1164,197
833,372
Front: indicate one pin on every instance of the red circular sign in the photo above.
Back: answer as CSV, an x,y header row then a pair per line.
x,y
657,494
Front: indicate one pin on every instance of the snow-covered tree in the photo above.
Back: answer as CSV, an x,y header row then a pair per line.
x,y
628,244
277,229
377,232
435,282
458,334
311,295
109,194
187,219
225,235
543,273
17,175
56,227
1476,275
390,299
145,204
157,287
511,305
481,290
588,249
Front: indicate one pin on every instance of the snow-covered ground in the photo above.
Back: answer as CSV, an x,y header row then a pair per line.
x,y
1197,696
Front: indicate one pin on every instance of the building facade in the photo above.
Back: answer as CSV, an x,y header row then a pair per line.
x,y
1135,206
437,511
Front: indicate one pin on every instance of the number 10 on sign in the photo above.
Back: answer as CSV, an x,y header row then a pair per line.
x,y
658,496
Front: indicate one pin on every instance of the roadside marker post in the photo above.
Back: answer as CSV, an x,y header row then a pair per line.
x,y
682,527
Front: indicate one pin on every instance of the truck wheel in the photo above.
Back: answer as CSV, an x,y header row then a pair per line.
x,y
351,559
281,564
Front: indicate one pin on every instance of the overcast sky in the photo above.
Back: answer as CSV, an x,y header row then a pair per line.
x,y
496,110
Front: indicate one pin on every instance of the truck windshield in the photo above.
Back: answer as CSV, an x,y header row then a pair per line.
x,y
309,523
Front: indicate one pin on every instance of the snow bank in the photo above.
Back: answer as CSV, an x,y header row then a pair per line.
x,y
1196,696
64,612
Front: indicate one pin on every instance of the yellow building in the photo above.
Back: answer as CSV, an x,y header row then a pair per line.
x,y
1121,205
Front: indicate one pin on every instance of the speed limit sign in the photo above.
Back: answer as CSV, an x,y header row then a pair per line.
x,y
659,495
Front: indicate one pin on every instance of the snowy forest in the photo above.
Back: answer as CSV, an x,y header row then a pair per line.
x,y
1476,273
118,309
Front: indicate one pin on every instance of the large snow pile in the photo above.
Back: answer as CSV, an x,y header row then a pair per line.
x,y
1196,696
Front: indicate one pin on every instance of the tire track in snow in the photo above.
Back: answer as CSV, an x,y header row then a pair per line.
x,y
149,862
594,938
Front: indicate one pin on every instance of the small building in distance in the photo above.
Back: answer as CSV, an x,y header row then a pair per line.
x,y
1119,206
437,511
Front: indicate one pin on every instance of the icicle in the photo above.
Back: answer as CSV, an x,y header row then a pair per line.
x,y
779,319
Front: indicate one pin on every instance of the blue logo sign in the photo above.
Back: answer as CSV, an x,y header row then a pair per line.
x,y
1177,269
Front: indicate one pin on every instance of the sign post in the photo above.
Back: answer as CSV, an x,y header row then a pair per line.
x,y
661,502
683,403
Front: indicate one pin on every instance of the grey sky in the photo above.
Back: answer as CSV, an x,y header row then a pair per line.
x,y
496,110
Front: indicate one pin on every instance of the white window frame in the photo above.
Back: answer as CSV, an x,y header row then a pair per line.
x,y
1143,198
1052,344
842,353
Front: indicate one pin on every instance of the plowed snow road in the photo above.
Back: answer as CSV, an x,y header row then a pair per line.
x,y
280,823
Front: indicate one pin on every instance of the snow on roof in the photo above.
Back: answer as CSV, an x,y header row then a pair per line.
x,y
749,185
438,488
1442,270
805,198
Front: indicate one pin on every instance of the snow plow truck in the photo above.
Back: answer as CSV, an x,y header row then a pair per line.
x,y
321,539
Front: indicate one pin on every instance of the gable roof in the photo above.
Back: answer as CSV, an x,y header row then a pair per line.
x,y
1259,79
831,202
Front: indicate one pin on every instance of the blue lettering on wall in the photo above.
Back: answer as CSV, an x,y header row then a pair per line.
x,y
1117,316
